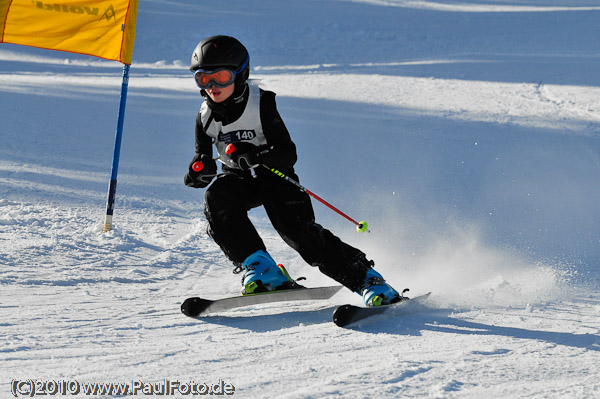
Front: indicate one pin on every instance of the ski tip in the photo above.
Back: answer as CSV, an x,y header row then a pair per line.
x,y
342,315
424,296
192,307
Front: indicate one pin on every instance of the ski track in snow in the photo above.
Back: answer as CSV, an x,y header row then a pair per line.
x,y
489,200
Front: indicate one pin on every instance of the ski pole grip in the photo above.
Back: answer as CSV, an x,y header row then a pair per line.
x,y
230,149
197,166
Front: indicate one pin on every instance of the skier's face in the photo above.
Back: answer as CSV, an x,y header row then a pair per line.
x,y
220,94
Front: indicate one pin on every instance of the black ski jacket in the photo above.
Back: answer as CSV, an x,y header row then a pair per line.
x,y
282,155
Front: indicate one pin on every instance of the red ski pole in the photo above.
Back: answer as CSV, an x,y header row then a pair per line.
x,y
361,227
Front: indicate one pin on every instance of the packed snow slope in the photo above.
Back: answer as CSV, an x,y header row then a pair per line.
x,y
466,133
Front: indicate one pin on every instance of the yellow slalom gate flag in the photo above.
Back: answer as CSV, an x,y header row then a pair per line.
x,y
101,28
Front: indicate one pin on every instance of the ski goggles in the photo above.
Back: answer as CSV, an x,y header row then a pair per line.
x,y
221,77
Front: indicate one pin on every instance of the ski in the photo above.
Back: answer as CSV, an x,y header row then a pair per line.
x,y
197,307
348,314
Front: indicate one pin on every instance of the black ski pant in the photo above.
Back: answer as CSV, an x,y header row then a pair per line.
x,y
230,197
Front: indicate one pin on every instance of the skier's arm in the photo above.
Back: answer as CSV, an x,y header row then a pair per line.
x,y
203,141
201,178
283,150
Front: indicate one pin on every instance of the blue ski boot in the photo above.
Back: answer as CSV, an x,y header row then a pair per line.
x,y
262,274
376,292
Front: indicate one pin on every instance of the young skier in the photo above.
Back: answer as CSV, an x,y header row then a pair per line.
x,y
235,110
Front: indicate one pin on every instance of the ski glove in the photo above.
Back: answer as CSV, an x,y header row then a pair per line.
x,y
202,178
246,155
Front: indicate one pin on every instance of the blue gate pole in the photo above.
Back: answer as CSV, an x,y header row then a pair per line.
x,y
112,186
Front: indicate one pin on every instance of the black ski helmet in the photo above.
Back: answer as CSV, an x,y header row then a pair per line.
x,y
222,52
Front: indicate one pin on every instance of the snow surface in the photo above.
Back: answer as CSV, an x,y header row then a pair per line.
x,y
465,133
